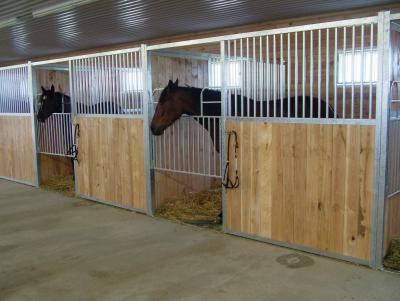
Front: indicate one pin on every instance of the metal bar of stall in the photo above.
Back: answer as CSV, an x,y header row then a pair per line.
x,y
97,79
254,78
335,73
85,88
353,38
229,73
261,83
241,78
281,74
215,140
319,73
109,92
296,74
362,73
78,83
311,72
274,75
136,98
114,83
344,74
289,67
17,94
125,83
247,77
96,99
303,82
268,75
193,150
371,64
118,79
77,89
327,75
13,91
236,74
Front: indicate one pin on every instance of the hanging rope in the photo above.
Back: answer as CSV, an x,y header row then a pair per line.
x,y
73,150
226,181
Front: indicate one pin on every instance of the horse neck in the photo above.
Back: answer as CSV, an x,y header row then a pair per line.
x,y
195,100
62,100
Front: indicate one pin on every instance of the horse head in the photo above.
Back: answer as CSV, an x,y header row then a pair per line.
x,y
173,102
48,104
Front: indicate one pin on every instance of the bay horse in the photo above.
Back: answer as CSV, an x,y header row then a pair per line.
x,y
174,101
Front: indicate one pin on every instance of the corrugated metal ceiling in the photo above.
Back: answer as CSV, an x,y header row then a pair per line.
x,y
105,22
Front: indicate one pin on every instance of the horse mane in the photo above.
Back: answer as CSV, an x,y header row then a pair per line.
x,y
209,94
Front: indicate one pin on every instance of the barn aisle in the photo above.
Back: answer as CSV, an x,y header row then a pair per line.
x,y
57,248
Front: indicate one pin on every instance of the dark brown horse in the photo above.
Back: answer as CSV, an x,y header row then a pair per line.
x,y
56,102
175,101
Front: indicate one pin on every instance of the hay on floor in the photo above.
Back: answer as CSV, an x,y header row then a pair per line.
x,y
204,206
63,184
392,259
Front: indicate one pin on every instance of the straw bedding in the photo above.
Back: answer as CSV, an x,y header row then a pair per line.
x,y
392,259
63,184
195,208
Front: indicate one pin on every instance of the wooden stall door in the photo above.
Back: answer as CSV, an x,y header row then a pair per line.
x,y
111,164
308,185
17,160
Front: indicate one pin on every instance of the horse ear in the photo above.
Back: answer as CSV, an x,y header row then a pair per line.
x,y
43,89
176,83
170,84
52,89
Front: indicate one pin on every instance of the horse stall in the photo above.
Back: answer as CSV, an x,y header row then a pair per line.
x,y
108,107
18,161
54,126
186,161
304,123
392,198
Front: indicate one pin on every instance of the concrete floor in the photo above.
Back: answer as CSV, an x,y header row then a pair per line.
x,y
57,248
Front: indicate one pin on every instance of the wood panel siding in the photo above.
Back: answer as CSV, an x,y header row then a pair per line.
x,y
46,78
192,72
310,185
111,160
16,148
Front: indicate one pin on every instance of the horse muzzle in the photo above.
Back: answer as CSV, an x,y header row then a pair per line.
x,y
157,131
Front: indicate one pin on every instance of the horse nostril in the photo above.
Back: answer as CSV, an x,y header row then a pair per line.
x,y
156,131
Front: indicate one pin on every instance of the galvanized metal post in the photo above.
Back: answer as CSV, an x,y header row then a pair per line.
x,y
73,115
382,112
149,175
224,99
32,93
